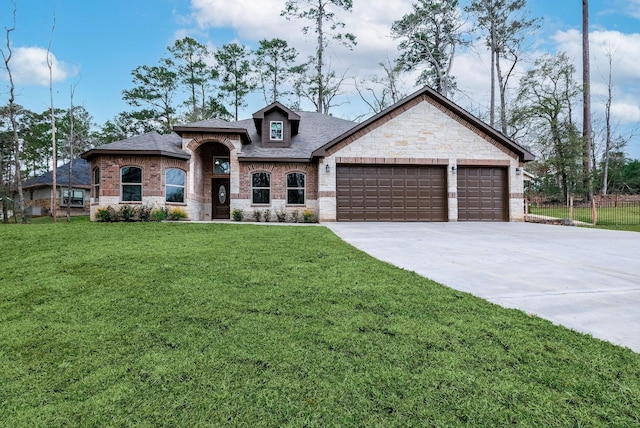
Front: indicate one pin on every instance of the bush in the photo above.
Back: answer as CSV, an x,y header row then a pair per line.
x,y
105,214
160,214
128,212
308,216
257,215
237,214
295,216
177,213
145,212
267,215
281,215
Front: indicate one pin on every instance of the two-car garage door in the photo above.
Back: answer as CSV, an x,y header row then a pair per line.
x,y
418,193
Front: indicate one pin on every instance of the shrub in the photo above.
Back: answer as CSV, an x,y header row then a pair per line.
x,y
128,212
295,216
257,215
237,214
281,215
308,216
145,212
105,214
267,215
160,214
177,213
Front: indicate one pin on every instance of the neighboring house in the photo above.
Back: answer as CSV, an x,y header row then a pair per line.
x,y
38,191
422,159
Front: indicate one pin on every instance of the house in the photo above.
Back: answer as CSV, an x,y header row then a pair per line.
x,y
422,159
38,191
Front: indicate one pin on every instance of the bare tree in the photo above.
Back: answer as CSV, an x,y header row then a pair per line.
x,y
381,92
6,56
586,113
320,13
54,151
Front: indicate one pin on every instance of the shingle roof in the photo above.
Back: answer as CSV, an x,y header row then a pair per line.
x,y
149,144
315,130
80,175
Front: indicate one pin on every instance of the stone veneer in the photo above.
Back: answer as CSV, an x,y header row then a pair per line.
x,y
421,133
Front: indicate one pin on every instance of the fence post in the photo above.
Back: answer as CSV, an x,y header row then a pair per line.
x,y
594,212
571,207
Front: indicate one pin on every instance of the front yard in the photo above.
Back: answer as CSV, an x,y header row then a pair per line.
x,y
167,324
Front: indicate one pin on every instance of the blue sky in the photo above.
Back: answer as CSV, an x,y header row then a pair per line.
x,y
97,43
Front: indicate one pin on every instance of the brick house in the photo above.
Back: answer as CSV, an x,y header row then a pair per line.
x,y
422,159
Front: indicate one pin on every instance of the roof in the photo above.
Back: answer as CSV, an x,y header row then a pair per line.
x,y
292,117
315,129
151,143
80,175
523,154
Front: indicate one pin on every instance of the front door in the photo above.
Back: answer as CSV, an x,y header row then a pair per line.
x,y
220,198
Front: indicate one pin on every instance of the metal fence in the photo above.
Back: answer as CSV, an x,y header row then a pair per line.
x,y
610,210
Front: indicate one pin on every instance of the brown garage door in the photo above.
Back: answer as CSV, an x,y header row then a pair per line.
x,y
391,193
482,194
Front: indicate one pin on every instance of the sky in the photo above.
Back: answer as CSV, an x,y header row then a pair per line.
x,y
96,44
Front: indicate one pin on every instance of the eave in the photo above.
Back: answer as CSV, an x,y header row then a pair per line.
x,y
242,133
88,155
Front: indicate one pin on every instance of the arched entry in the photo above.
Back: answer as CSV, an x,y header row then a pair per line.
x,y
216,174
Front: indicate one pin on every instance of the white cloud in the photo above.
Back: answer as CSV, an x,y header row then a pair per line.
x,y
29,67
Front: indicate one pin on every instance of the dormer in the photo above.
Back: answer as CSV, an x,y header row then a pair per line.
x,y
276,125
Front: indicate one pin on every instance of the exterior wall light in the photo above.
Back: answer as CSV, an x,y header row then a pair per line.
x,y
518,170
327,168
453,169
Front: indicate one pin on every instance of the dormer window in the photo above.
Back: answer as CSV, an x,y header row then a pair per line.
x,y
276,130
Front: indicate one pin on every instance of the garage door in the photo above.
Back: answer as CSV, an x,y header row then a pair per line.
x,y
482,194
391,193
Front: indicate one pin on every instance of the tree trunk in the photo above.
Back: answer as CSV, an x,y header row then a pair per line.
x,y
586,82
320,59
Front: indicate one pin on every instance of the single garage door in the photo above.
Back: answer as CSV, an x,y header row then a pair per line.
x,y
391,193
482,194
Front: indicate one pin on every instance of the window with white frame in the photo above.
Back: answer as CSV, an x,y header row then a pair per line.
x,y
276,130
131,184
96,184
175,180
296,188
261,188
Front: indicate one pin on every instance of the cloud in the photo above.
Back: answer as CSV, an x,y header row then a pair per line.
x,y
633,8
29,67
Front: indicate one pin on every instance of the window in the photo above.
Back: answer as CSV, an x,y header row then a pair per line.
x,y
131,184
77,198
174,185
276,131
261,187
96,184
221,166
295,188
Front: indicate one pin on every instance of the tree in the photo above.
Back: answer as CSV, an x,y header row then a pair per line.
x,y
586,112
234,67
381,92
275,66
506,27
156,88
545,100
195,73
12,110
430,35
321,13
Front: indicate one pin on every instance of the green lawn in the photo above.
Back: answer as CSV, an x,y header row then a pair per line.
x,y
277,326
605,216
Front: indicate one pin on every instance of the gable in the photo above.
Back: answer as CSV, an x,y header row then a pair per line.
x,y
442,107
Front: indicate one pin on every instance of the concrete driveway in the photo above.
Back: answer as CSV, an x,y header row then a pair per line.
x,y
584,279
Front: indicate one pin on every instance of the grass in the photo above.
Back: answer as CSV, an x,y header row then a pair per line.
x,y
607,216
245,325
